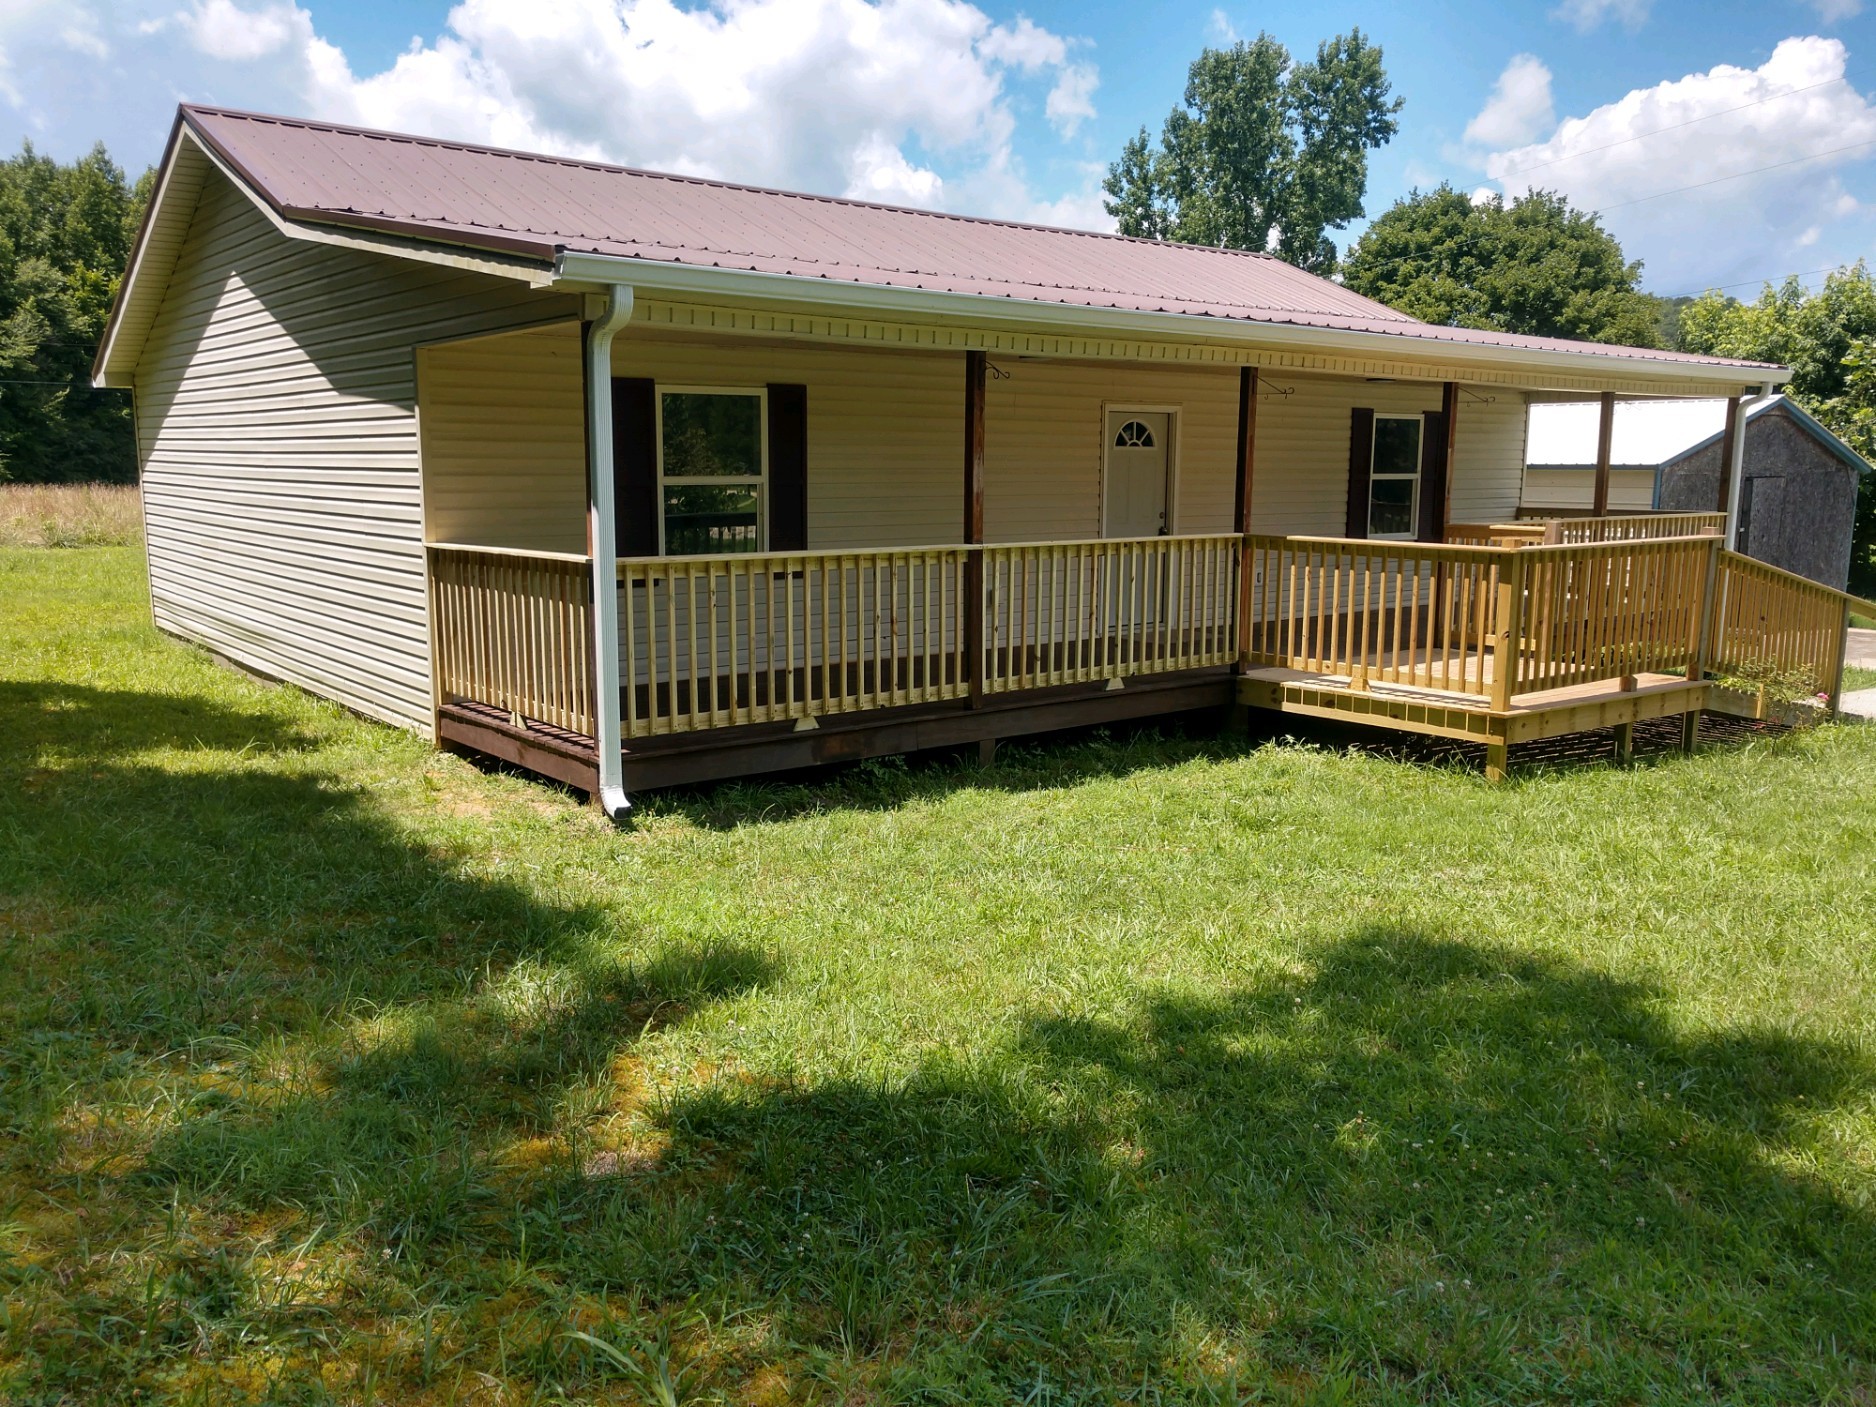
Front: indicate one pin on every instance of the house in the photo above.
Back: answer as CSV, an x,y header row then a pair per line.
x,y
638,479
1797,504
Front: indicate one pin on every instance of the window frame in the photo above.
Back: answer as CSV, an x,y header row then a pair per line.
x,y
760,481
1412,533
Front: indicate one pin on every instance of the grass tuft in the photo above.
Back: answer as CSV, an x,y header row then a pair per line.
x,y
1144,1068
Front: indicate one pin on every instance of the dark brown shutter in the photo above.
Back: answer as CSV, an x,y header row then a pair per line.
x,y
1360,467
788,468
1432,476
635,465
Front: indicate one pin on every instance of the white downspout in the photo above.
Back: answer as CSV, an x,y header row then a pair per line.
x,y
1736,471
602,535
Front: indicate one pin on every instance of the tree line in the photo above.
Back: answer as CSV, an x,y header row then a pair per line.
x,y
65,234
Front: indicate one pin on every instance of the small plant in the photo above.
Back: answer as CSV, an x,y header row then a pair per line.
x,y
1765,679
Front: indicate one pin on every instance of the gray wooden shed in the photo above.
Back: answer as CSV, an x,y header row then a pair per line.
x,y
1797,502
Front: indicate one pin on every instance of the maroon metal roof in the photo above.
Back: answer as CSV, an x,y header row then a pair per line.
x,y
537,207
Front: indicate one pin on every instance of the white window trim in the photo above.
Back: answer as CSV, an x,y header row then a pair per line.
x,y
1413,511
761,482
1174,415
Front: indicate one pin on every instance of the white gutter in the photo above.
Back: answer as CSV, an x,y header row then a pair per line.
x,y
602,538
1736,470
662,276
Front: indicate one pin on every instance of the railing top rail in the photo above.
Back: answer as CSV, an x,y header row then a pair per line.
x,y
527,553
1391,546
913,549
1740,562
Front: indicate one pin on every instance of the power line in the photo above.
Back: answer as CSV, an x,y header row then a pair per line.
x,y
1671,127
1737,175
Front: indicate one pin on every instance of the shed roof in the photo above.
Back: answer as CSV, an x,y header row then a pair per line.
x,y
542,207
1648,434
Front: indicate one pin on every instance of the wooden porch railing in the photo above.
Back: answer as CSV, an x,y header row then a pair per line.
x,y
715,641
1403,613
514,629
1079,612
1628,527
1772,627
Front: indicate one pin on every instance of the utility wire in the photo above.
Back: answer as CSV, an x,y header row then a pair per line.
x,y
1737,175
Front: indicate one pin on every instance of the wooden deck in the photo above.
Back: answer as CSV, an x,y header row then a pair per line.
x,y
739,665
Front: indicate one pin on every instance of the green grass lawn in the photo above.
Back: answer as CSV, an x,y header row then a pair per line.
x,y
1160,1071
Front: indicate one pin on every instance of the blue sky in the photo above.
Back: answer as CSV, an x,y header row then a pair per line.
x,y
997,109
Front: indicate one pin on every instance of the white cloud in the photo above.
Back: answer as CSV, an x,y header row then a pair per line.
x,y
1519,107
1071,100
223,30
1667,164
1837,11
904,100
1221,28
1588,14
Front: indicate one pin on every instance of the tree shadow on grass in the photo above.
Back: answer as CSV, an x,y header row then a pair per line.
x,y
1431,1170
236,985
1043,762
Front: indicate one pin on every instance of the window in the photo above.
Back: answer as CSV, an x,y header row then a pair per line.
x,y
1134,435
1394,477
712,457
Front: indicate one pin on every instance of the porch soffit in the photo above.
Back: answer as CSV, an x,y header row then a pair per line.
x,y
803,324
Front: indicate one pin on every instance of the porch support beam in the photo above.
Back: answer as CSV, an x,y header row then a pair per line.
x,y
1605,439
1241,505
1449,417
1729,438
1733,469
602,541
975,367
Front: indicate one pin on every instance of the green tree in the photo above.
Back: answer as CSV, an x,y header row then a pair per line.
x,y
1532,265
1828,339
65,234
1264,153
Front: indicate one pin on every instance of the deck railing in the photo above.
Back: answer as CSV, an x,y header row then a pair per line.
x,y
1079,612
514,630
1611,610
1400,613
714,641
1627,527
1771,628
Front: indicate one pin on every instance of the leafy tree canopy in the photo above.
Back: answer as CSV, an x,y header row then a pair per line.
x,y
1828,339
1265,153
65,234
1533,265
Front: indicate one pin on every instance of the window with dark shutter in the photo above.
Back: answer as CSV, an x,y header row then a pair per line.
x,y
1432,526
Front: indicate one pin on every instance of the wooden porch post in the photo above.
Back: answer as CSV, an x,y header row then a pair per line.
x,y
1241,510
1605,438
1449,416
975,364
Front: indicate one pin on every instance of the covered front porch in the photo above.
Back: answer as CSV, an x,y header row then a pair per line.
x,y
873,632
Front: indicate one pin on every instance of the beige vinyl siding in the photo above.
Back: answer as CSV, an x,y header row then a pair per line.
x,y
1574,490
276,416
1044,444
504,440
1301,483
1488,461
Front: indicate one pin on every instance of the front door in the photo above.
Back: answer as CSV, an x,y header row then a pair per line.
x,y
1137,445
